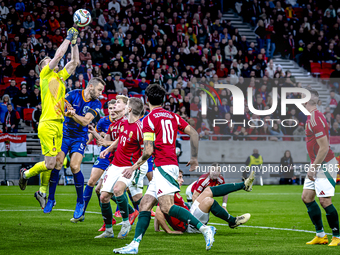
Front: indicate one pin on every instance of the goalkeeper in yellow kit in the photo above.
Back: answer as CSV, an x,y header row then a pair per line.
x,y
50,129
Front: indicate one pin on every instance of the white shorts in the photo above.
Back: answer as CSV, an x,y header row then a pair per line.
x,y
200,215
114,174
189,193
322,185
136,186
164,181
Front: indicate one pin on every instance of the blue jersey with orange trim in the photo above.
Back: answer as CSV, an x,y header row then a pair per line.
x,y
103,126
76,98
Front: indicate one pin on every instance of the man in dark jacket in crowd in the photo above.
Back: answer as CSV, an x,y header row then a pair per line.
x,y
12,118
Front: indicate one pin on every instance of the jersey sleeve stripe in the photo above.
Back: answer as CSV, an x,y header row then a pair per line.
x,y
151,124
177,119
322,122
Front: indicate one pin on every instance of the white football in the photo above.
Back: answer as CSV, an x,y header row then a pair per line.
x,y
82,17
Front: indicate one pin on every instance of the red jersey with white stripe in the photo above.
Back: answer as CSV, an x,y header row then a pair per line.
x,y
176,224
130,144
316,127
164,125
205,181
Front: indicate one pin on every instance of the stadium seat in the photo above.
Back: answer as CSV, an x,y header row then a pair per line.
x,y
315,68
19,80
325,74
327,66
103,101
15,65
216,132
2,91
28,114
111,96
11,37
12,58
50,37
106,111
7,80
138,95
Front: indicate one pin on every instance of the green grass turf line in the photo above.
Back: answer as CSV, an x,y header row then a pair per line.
x,y
33,232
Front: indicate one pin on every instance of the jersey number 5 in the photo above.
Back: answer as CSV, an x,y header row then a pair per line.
x,y
168,131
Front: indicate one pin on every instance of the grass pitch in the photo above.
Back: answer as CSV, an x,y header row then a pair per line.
x,y
277,213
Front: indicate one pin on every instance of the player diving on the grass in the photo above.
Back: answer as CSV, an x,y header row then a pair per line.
x,y
321,175
160,129
128,149
82,107
203,205
50,129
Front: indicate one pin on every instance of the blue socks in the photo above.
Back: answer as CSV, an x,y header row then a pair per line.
x,y
53,184
79,183
87,195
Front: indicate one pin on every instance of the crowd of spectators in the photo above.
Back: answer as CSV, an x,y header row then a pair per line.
x,y
182,45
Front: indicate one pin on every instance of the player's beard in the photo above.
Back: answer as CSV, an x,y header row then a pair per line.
x,y
93,95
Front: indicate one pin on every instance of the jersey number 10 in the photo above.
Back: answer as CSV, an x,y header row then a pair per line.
x,y
168,131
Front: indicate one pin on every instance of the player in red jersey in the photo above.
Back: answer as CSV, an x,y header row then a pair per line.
x,y
160,220
321,175
128,150
203,205
160,129
211,179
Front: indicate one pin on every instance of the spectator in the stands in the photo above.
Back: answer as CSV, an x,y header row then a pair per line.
x,y
110,86
23,69
30,80
119,85
276,131
335,75
230,51
335,129
22,100
82,81
12,90
7,69
299,131
333,100
15,46
3,107
35,98
12,119
36,117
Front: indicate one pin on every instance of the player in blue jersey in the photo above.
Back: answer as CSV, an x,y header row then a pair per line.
x,y
101,164
82,107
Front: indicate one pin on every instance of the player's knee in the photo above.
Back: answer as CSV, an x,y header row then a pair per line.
x,y
104,197
325,201
207,192
50,165
91,182
306,199
75,167
117,191
165,208
208,201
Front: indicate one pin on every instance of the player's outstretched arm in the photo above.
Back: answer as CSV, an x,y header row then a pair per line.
x,y
62,48
72,65
109,149
194,138
160,221
84,121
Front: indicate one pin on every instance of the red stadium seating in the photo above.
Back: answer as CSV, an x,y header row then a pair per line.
x,y
28,114
11,37
12,58
138,95
106,112
327,66
111,96
103,101
315,68
216,132
325,74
